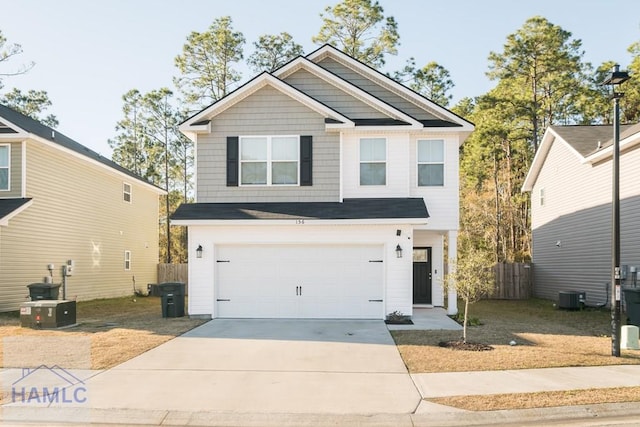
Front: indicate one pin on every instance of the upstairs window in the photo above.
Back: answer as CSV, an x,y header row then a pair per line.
x,y
126,192
269,160
542,196
127,260
4,167
373,161
431,163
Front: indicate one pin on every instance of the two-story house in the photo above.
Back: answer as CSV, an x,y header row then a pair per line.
x,y
571,218
324,189
62,202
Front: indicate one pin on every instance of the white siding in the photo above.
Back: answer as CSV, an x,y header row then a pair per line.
x,y
442,202
397,281
397,173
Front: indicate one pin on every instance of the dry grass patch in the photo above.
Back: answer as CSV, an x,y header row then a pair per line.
x,y
119,328
546,337
496,402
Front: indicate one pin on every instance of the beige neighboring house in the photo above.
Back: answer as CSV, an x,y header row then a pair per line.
x,y
60,201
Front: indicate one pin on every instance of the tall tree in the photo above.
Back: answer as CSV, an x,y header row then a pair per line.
x,y
432,80
630,104
273,51
148,142
32,104
360,29
206,63
543,64
128,145
7,52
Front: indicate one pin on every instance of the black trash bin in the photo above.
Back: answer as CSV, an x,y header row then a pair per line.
x,y
43,291
632,302
172,298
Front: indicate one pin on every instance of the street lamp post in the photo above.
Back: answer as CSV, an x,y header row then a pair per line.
x,y
616,77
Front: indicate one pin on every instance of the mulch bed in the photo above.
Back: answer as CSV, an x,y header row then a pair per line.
x,y
465,346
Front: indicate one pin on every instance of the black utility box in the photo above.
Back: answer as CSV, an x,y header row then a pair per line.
x,y
632,302
47,314
43,291
172,298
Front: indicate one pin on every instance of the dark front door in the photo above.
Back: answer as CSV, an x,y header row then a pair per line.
x,y
422,275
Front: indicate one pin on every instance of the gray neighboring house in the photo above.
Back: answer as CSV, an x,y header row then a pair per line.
x,y
571,192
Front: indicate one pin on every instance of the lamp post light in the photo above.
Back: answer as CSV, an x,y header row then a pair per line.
x,y
616,77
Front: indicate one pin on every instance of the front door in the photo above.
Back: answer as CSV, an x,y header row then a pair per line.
x,y
422,275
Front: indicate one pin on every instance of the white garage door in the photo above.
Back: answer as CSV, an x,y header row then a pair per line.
x,y
289,281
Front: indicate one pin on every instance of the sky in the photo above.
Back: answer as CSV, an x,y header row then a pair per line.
x,y
88,53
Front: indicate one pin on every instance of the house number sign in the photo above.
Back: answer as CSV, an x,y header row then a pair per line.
x,y
299,221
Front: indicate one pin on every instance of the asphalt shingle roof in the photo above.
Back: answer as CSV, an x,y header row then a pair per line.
x,y
35,127
9,205
389,208
584,139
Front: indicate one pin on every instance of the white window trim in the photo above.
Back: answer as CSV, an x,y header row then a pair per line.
x,y
541,195
269,161
443,163
386,161
125,192
127,260
8,167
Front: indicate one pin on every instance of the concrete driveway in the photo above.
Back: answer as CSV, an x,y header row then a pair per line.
x,y
265,366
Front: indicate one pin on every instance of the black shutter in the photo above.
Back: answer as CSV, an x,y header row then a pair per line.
x,y
232,161
306,160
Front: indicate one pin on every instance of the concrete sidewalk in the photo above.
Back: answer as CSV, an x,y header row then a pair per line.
x,y
521,381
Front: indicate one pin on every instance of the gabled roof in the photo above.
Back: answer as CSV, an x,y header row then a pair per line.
x,y
12,207
201,120
334,119
376,103
350,209
16,125
589,143
384,80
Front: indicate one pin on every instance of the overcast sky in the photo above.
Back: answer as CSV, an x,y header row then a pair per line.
x,y
89,53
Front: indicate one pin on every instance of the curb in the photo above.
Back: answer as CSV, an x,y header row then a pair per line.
x,y
109,417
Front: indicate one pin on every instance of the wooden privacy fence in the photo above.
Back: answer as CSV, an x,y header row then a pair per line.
x,y
513,281
173,273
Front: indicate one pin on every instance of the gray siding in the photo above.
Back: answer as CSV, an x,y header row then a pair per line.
x,y
375,89
577,212
583,260
267,112
332,96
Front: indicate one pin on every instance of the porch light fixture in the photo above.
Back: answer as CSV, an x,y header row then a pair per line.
x,y
616,77
398,251
199,251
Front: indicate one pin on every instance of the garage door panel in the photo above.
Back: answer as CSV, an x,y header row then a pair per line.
x,y
291,281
